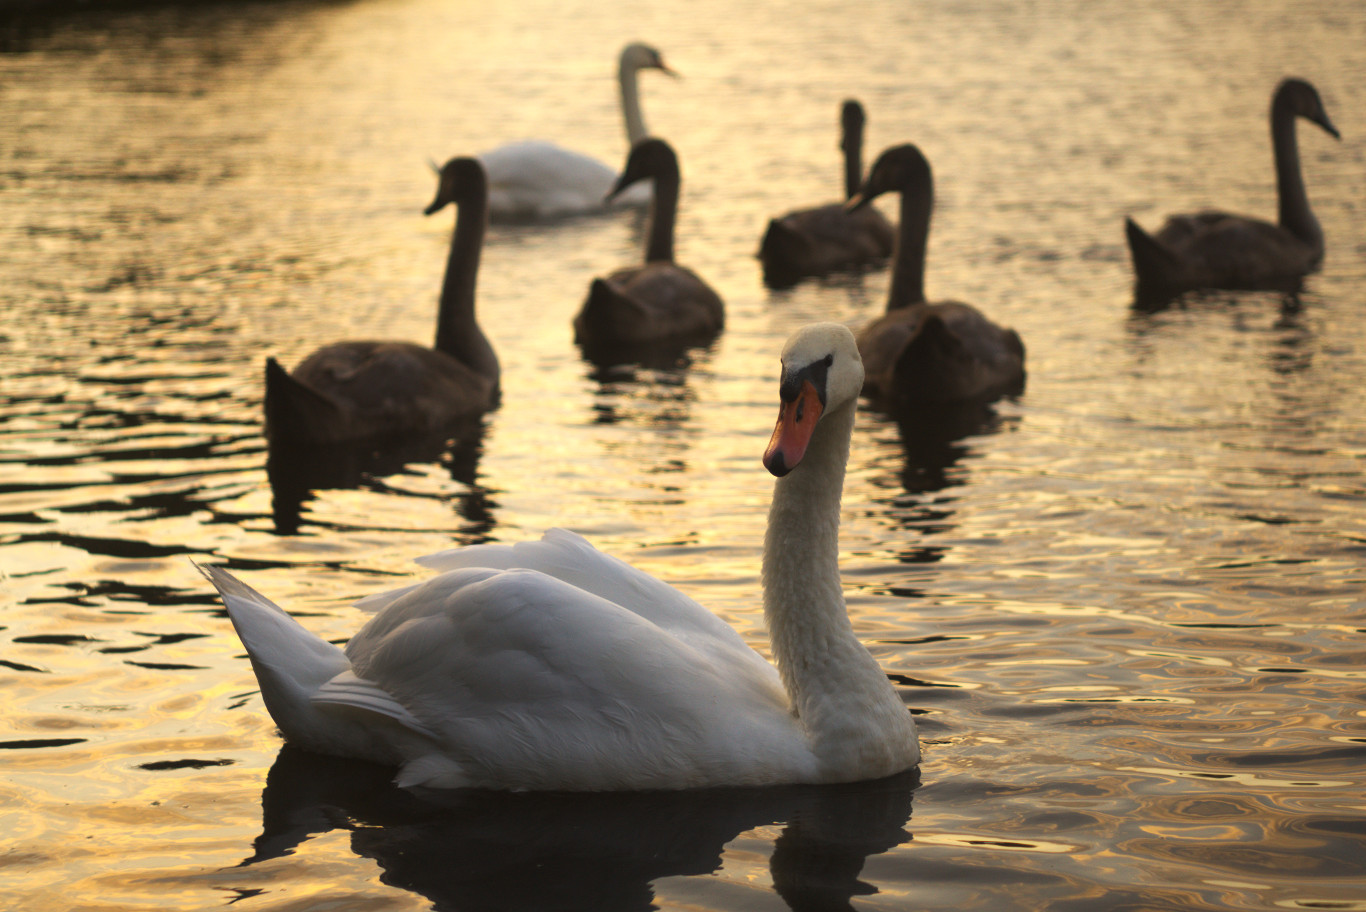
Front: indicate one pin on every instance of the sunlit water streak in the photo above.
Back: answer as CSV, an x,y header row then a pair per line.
x,y
1126,607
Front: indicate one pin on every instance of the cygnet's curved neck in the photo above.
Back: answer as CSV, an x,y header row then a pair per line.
x,y
852,144
1295,215
912,237
630,102
831,679
457,331
659,245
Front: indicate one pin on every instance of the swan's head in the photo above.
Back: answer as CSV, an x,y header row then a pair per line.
x,y
650,158
460,180
639,56
851,122
822,372
1302,99
901,169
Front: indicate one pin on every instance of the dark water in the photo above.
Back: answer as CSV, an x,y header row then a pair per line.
x,y
1128,606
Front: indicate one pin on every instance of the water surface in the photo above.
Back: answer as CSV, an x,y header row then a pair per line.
x,y
1126,606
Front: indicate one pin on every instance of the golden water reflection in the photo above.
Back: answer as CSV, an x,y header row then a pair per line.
x,y
1124,605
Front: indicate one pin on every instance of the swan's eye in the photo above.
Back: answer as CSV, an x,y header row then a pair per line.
x,y
829,360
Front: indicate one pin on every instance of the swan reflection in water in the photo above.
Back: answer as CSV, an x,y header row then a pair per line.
x,y
660,401
296,471
659,397
472,849
933,440
1287,295
611,362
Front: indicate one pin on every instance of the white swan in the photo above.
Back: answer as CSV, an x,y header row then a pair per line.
x,y
549,665
534,179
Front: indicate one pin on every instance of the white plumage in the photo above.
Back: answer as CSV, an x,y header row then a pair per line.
x,y
534,178
550,665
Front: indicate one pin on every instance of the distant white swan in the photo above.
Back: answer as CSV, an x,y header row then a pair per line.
x,y
537,179
549,665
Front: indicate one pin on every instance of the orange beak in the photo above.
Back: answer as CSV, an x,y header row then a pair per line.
x,y
796,420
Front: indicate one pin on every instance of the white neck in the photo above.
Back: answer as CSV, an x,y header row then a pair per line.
x,y
630,104
851,713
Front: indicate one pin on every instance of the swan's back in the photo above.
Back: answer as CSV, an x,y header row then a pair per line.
x,y
824,239
1218,248
512,676
535,179
833,230
372,388
572,559
648,304
531,681
538,179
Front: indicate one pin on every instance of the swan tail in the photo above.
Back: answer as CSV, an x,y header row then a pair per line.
x,y
938,364
295,412
1154,264
606,296
929,358
783,253
291,665
605,313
